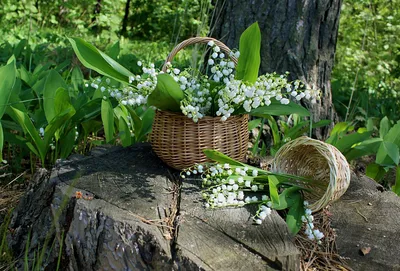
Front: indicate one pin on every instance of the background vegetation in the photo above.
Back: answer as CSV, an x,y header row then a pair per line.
x,y
35,51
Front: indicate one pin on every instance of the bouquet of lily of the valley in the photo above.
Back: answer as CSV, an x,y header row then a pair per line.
x,y
229,86
230,183
196,109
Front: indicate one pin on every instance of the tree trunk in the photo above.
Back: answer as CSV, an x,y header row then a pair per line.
x,y
297,36
96,12
125,19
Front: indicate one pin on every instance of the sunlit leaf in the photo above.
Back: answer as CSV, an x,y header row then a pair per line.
x,y
107,116
167,94
249,60
96,60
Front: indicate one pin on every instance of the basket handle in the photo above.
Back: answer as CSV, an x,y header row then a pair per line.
x,y
195,40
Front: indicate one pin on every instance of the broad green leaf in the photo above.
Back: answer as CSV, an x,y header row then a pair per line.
x,y
384,127
249,60
53,82
7,81
147,124
124,132
56,123
254,123
1,142
88,111
388,154
347,141
137,122
396,186
278,109
15,99
287,198
107,116
77,77
221,158
61,101
67,143
393,135
94,59
339,129
114,50
167,95
274,129
28,127
370,124
273,189
293,217
375,171
367,147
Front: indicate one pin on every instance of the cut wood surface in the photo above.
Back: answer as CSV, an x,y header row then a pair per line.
x,y
118,210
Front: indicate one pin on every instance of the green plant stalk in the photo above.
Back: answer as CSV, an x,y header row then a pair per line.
x,y
255,147
60,251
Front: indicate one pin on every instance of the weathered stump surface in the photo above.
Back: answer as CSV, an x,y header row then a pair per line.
x,y
367,217
127,218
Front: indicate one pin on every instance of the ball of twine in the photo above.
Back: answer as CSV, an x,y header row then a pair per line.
x,y
318,161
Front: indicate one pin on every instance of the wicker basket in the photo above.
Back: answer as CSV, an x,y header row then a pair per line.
x,y
319,161
179,142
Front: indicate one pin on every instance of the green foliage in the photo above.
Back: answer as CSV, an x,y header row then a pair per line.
x,y
167,94
368,60
249,60
356,144
283,129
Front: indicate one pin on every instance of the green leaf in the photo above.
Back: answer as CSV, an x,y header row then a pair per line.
x,y
61,101
94,59
221,158
114,50
167,95
53,82
76,77
28,127
347,141
293,217
273,189
396,186
278,109
370,124
274,129
393,135
7,81
375,171
124,132
67,143
56,123
147,124
287,198
107,116
88,111
367,147
254,123
1,142
339,129
384,127
249,60
388,154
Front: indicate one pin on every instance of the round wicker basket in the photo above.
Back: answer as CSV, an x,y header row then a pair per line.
x,y
318,161
179,142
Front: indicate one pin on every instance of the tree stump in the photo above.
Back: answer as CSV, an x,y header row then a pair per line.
x,y
123,209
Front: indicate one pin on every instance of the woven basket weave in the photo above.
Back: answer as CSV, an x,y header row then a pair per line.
x,y
179,142
318,161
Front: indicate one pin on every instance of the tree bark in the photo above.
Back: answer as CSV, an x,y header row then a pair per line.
x,y
125,19
297,36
